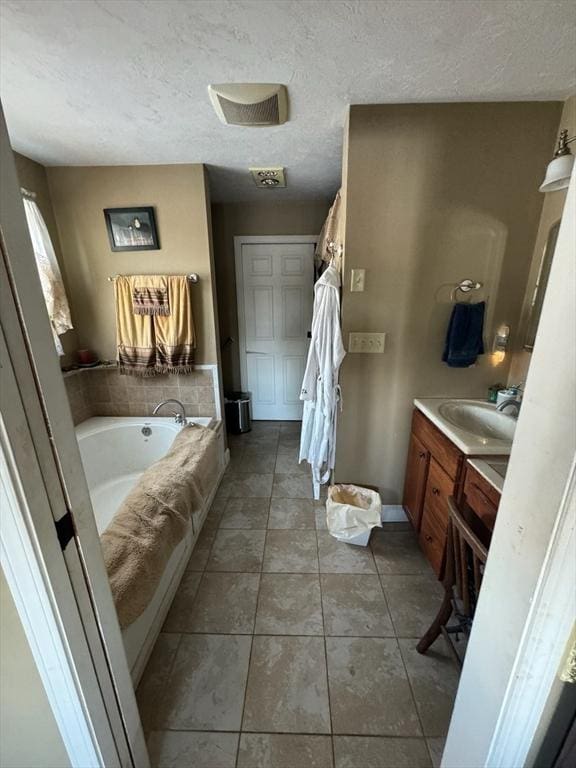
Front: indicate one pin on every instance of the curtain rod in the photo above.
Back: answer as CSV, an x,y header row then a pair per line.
x,y
27,193
192,277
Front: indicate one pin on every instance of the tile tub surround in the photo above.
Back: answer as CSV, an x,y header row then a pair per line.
x,y
285,648
78,397
104,392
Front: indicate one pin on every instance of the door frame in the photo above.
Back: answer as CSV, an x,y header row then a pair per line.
x,y
239,241
526,610
76,579
50,617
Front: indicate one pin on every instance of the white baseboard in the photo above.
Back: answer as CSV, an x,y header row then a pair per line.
x,y
393,513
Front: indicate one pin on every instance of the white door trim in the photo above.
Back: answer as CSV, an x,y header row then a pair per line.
x,y
543,644
30,345
239,241
31,585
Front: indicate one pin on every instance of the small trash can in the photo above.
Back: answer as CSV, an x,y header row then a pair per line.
x,y
237,408
352,512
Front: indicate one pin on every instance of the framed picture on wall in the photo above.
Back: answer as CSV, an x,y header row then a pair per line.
x,y
132,229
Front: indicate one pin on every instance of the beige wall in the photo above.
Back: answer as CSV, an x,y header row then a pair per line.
x,y
434,193
266,218
29,735
551,213
32,176
178,194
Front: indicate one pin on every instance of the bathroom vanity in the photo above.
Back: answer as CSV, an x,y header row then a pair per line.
x,y
457,448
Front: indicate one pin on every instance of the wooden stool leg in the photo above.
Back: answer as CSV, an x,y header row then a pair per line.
x,y
441,620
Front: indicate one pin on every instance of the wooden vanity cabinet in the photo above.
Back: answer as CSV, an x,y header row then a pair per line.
x,y
436,470
433,472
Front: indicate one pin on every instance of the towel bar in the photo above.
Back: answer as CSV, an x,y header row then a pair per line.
x,y
192,277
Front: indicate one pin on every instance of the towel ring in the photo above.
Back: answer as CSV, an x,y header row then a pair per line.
x,y
465,286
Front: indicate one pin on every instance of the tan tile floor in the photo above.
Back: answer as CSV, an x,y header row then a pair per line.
x,y
287,649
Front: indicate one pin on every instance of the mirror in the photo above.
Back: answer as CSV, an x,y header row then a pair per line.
x,y
540,287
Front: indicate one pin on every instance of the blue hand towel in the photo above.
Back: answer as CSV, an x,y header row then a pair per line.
x,y
464,336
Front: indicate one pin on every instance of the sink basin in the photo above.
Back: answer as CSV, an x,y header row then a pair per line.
x,y
480,419
474,426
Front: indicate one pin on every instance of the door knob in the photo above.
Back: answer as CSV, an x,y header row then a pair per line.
x,y
435,491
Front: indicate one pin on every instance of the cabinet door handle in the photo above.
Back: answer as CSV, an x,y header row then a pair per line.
x,y
428,538
436,491
422,455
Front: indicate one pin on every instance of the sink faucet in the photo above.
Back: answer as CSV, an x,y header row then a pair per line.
x,y
180,418
506,403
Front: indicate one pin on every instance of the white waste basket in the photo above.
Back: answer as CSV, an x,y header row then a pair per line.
x,y
352,512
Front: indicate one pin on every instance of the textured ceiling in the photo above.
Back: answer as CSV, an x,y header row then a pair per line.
x,y
97,82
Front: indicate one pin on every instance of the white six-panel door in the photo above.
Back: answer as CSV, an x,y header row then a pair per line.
x,y
275,288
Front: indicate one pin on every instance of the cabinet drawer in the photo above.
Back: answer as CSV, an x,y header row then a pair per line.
x,y
432,541
438,488
481,497
439,446
434,526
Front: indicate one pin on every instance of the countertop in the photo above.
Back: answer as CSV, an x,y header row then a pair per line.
x,y
492,470
469,443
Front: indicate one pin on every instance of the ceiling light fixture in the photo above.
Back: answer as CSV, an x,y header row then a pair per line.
x,y
560,167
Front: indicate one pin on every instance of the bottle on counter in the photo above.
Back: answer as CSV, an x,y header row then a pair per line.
x,y
493,392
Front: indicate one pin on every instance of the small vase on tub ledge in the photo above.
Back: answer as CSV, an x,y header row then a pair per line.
x,y
87,358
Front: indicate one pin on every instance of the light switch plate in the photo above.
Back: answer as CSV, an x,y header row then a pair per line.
x,y
371,343
357,279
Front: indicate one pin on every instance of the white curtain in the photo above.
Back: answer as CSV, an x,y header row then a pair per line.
x,y
50,275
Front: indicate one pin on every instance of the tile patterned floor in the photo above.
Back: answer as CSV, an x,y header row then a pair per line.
x,y
287,649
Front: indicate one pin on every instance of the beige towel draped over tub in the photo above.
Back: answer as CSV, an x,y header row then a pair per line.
x,y
155,517
154,324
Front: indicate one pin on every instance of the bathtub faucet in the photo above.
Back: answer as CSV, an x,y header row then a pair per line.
x,y
180,418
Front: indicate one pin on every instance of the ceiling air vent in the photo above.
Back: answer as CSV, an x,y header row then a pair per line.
x,y
250,103
268,178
